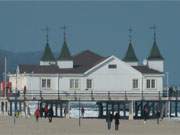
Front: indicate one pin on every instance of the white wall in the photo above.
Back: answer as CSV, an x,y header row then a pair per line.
x,y
119,79
158,80
156,64
18,81
46,63
65,64
132,63
104,79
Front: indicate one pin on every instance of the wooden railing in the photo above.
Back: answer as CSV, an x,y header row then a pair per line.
x,y
90,95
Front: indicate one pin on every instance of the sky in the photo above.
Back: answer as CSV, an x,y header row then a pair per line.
x,y
100,26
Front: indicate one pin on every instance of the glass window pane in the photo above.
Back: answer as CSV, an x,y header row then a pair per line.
x,y
112,66
135,83
153,83
48,83
43,83
76,83
89,83
148,83
71,83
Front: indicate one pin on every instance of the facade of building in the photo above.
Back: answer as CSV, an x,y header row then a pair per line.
x,y
88,71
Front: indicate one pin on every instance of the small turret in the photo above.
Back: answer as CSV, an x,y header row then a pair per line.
x,y
155,60
130,56
65,59
47,57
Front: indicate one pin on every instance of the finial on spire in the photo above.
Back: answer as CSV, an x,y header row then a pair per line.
x,y
130,34
154,30
46,30
64,28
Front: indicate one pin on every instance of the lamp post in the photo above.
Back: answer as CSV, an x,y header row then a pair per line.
x,y
167,92
167,83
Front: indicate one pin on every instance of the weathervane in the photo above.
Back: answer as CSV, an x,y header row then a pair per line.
x,y
64,28
46,30
154,30
130,34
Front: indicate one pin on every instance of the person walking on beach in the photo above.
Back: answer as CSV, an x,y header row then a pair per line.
x,y
158,114
50,114
145,113
82,111
37,114
116,117
109,118
46,110
65,111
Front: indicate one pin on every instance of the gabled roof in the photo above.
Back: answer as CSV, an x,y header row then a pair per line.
x,y
65,53
146,70
82,62
130,55
155,53
47,55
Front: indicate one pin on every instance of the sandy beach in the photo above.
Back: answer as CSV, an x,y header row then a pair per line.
x,y
28,126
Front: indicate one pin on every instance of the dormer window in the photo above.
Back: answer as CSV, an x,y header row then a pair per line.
x,y
112,66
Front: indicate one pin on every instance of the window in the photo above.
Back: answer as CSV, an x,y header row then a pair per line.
x,y
46,83
71,83
74,83
112,66
148,82
151,83
43,83
89,83
135,83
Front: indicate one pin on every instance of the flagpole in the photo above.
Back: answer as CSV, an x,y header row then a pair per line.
x,y
5,75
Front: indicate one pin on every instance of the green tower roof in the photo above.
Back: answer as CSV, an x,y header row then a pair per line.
x,y
47,55
130,54
155,53
65,53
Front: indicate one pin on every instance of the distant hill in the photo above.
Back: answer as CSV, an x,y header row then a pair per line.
x,y
13,59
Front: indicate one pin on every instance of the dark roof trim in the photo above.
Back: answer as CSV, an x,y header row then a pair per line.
x,y
146,70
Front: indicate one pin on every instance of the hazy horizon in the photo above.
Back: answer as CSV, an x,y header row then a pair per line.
x,y
98,26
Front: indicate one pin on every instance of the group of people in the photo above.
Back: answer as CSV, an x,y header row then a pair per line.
x,y
46,112
146,113
109,119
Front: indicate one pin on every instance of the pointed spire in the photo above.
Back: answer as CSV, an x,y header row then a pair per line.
x,y
65,53
130,54
155,52
47,55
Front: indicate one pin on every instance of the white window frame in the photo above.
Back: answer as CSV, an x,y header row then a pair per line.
x,y
148,83
43,83
91,84
152,83
46,86
74,84
153,86
135,84
112,66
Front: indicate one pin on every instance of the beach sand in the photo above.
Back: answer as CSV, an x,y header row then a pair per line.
x,y
28,126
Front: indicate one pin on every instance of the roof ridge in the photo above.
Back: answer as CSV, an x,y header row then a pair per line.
x,y
88,51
